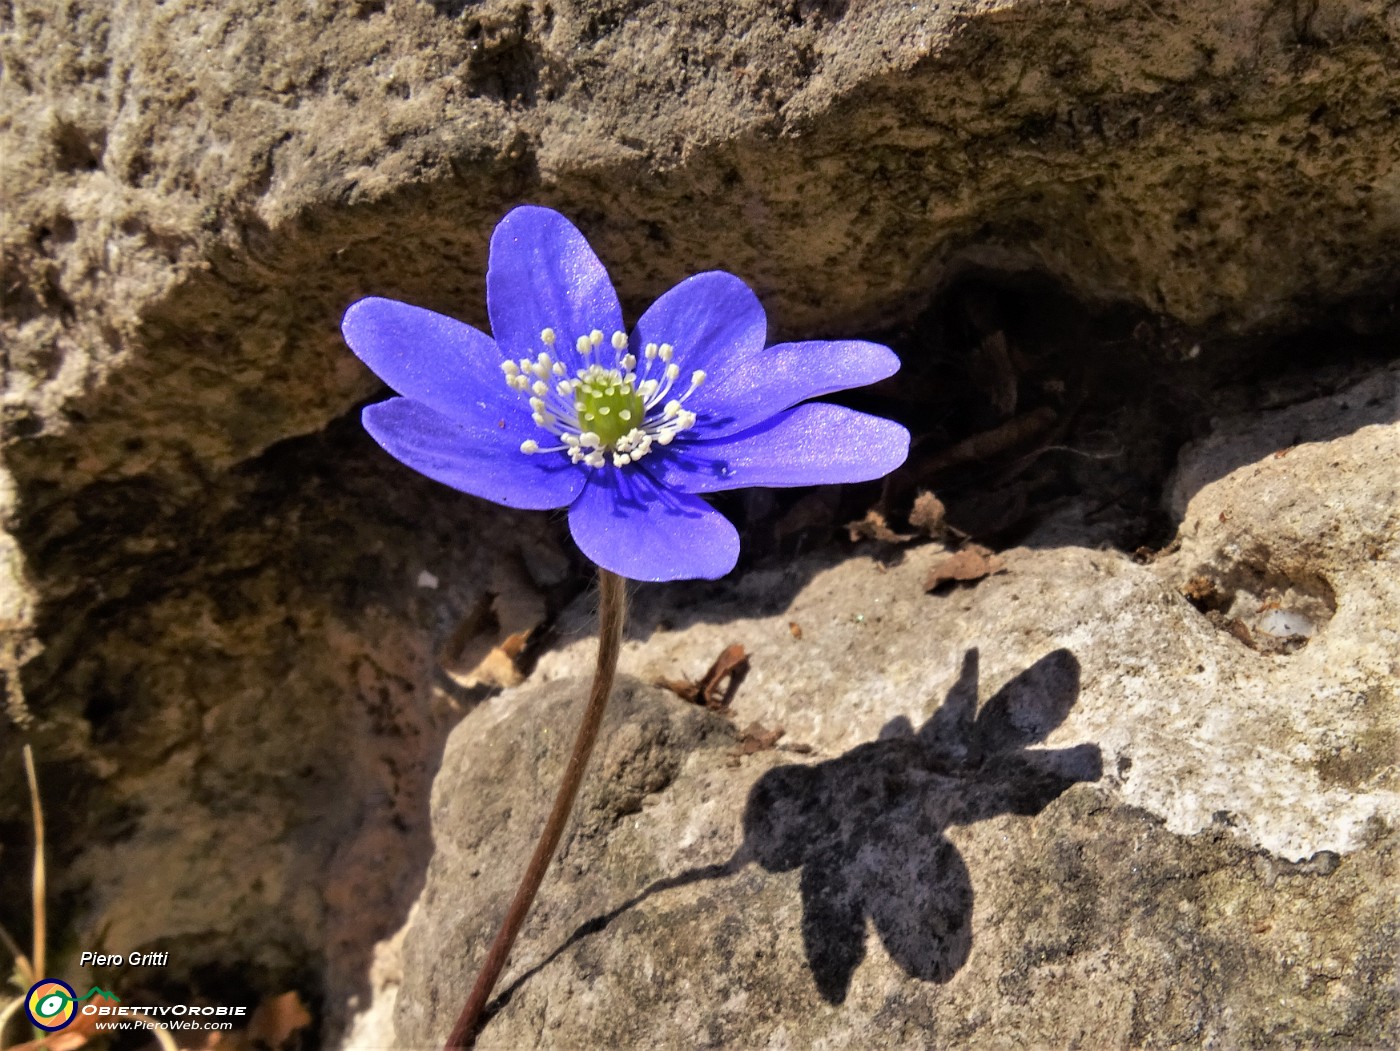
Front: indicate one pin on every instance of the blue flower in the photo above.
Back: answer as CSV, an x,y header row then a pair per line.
x,y
563,408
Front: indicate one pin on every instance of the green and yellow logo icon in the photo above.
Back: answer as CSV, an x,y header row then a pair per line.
x,y
52,1004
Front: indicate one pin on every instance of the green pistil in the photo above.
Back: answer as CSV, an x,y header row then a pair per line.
x,y
608,406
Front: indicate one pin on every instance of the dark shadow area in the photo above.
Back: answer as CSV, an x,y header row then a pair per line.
x,y
867,829
1028,404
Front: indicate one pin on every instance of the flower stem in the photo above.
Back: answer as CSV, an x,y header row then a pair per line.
x,y
611,611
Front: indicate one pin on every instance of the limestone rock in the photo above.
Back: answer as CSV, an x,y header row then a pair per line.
x,y
197,190
1064,805
216,637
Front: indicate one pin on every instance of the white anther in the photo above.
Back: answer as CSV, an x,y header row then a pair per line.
x,y
510,368
696,378
621,459
665,352
651,351
563,389
547,337
672,371
529,445
537,404
595,337
583,345
619,340
540,387
629,361
664,437
595,458
672,407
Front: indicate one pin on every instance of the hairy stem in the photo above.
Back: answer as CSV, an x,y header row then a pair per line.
x,y
37,882
612,609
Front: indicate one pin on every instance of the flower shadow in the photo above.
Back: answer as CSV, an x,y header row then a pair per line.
x,y
867,828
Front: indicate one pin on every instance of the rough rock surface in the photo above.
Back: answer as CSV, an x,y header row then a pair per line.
x,y
1158,828
223,644
197,189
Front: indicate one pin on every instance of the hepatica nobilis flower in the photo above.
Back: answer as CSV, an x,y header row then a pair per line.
x,y
565,408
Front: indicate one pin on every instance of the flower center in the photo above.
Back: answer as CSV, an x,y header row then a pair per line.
x,y
603,412
608,404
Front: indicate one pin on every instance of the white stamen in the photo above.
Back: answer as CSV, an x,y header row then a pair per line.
x,y
563,405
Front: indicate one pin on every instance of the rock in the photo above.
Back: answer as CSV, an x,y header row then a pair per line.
x,y
193,204
1023,820
210,626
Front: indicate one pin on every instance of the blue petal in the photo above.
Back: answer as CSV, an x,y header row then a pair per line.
x,y
810,445
542,274
626,523
429,357
711,319
759,386
473,456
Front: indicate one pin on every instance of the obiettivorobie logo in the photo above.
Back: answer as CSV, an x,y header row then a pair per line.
x,y
52,1004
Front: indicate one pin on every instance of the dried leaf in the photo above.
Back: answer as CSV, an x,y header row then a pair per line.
x,y
1201,591
992,372
754,738
874,527
485,648
795,628
729,668
277,1019
967,566
928,515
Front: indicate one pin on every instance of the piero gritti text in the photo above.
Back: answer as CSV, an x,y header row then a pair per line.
x,y
135,959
